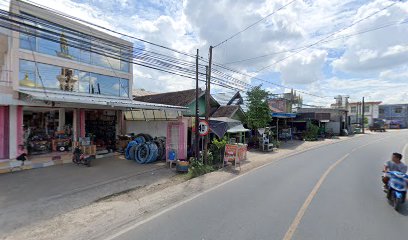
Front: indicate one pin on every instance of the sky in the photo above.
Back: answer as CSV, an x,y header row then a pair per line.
x,y
357,61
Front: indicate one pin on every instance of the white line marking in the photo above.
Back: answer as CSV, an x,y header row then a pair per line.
x,y
298,218
133,226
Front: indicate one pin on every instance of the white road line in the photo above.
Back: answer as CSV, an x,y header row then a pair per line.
x,y
298,218
135,225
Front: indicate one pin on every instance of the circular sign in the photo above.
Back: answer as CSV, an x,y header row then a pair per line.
x,y
203,128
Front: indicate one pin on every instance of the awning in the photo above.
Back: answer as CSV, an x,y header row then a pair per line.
x,y
149,114
32,94
284,115
221,125
237,129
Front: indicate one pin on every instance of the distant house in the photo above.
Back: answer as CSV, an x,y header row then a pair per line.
x,y
185,98
334,119
371,111
396,115
230,111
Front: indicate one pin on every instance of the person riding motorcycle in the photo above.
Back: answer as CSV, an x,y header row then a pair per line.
x,y
395,164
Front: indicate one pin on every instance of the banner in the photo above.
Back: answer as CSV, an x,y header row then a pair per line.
x,y
235,153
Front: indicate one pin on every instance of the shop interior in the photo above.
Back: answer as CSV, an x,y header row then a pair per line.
x,y
100,127
47,130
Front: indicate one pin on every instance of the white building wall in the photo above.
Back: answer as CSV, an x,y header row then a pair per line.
x,y
153,128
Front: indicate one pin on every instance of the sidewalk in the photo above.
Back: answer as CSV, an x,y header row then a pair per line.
x,y
78,214
29,197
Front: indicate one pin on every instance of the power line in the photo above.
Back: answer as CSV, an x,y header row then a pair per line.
x,y
106,29
253,24
330,35
326,41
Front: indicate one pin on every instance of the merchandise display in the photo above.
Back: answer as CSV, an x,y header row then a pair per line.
x,y
145,149
100,126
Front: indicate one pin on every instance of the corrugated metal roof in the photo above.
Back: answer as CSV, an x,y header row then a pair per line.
x,y
83,98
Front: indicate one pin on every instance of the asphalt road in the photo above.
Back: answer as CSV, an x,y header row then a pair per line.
x,y
320,194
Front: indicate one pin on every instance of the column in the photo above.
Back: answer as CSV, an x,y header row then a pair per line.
x,y
61,119
4,132
82,123
75,125
15,130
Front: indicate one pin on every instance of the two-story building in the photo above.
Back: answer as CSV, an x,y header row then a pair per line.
x,y
371,111
396,115
62,81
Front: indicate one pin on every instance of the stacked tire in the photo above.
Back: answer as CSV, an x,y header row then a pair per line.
x,y
144,149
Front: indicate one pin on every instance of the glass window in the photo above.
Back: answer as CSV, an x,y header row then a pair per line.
x,y
124,87
353,109
48,47
28,42
381,110
27,74
366,109
124,63
398,110
49,76
104,85
84,78
124,66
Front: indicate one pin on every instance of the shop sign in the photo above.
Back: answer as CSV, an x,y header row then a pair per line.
x,y
235,153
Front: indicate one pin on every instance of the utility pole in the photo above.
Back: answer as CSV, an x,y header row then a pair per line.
x,y
207,101
197,116
362,115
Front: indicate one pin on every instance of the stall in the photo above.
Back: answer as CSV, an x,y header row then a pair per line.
x,y
283,125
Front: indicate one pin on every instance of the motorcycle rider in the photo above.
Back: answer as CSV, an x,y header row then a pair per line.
x,y
395,164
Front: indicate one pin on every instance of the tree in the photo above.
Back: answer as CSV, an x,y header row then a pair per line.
x,y
365,121
258,114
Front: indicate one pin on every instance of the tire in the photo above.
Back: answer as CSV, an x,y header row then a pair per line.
x,y
396,203
132,152
142,153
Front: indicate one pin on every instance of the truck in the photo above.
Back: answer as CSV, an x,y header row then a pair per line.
x,y
377,126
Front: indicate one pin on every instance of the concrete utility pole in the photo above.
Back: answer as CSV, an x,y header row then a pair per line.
x,y
197,116
362,114
207,102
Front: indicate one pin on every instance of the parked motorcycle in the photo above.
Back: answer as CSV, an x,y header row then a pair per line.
x,y
80,158
396,188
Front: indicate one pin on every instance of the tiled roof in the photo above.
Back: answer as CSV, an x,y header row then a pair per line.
x,y
226,111
180,98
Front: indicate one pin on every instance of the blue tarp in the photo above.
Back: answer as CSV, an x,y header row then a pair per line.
x,y
284,115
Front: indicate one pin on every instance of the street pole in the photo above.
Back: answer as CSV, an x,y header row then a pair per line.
x,y
207,101
362,114
197,117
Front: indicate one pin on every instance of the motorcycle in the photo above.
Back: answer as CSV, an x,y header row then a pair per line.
x,y
396,188
80,158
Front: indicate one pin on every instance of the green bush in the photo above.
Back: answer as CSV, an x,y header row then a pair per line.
x,y
198,168
276,143
217,149
312,132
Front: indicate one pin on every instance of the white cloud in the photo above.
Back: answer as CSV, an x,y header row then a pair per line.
x,y
376,50
303,69
373,61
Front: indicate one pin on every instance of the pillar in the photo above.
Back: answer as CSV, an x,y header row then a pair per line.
x,y
4,132
75,125
15,130
82,123
61,119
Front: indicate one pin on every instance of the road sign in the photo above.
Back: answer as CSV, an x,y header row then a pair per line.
x,y
203,128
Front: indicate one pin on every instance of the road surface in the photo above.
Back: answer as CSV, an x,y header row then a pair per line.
x,y
333,192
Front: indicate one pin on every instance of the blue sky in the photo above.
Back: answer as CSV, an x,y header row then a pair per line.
x,y
373,64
